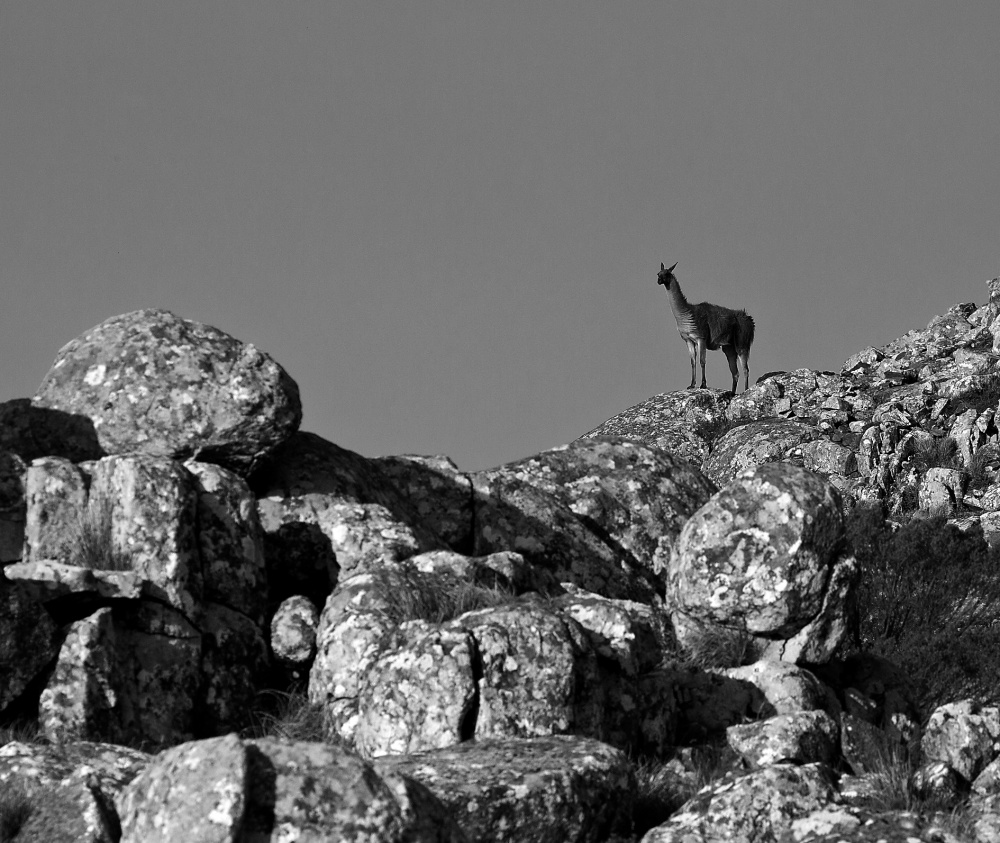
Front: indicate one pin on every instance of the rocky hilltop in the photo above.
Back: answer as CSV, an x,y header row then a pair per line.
x,y
215,626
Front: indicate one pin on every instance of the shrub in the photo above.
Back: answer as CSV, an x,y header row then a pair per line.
x,y
935,453
715,647
408,594
929,600
15,808
288,715
982,467
94,545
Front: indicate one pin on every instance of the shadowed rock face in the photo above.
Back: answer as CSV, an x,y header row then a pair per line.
x,y
157,384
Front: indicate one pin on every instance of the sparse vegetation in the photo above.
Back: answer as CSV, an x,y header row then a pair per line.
x,y
288,715
982,468
662,787
94,546
15,808
21,731
715,647
408,594
935,453
929,600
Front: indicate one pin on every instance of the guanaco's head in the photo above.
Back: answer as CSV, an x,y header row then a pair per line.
x,y
665,276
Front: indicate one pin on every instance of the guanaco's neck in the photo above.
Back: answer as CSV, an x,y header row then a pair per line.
x,y
678,304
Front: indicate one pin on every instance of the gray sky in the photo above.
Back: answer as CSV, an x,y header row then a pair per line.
x,y
445,219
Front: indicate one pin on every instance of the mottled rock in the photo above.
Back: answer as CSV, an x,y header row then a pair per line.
x,y
293,632
419,694
709,702
942,488
787,688
69,787
754,444
195,792
28,640
681,423
828,457
234,665
156,384
634,496
128,675
58,585
865,746
805,390
440,494
55,495
153,520
964,736
758,806
544,789
762,556
230,541
799,738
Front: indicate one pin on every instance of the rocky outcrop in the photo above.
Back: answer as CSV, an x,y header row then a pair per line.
x,y
486,654
763,558
156,384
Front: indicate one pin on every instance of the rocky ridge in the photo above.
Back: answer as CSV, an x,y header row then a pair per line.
x,y
486,654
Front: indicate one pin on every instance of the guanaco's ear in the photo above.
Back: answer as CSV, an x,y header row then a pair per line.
x,y
661,266
672,268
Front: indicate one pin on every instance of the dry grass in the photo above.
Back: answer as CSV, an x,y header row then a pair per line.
x,y
15,808
716,647
288,715
94,546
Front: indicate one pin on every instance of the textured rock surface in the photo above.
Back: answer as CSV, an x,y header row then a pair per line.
x,y
964,736
634,496
293,632
13,508
157,384
32,432
754,444
755,807
681,423
760,557
546,790
55,494
28,640
800,738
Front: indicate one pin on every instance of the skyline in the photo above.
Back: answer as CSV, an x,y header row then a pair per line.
x,y
445,221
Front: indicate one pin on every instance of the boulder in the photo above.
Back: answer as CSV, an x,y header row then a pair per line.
x,y
227,789
544,789
154,383
32,432
634,496
763,557
293,633
800,738
964,736
753,444
681,423
55,493
29,640
69,788
420,693
749,808
787,688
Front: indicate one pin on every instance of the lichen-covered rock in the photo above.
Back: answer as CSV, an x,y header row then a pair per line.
x,y
787,688
557,789
55,495
154,516
441,495
234,665
635,495
70,787
828,457
128,674
353,631
754,444
230,541
293,632
805,390
52,582
763,557
942,488
13,509
420,693
709,702
964,736
156,384
680,423
196,792
751,808
28,640
799,738
532,662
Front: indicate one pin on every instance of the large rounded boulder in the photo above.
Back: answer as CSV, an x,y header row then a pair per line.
x,y
764,558
154,383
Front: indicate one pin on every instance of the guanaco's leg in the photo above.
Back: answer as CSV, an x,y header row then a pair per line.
x,y
731,357
702,349
693,354
745,360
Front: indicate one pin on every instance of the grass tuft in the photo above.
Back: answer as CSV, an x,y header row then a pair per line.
x,y
408,594
94,546
288,715
715,648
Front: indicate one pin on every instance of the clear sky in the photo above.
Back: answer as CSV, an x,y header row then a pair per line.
x,y
445,219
